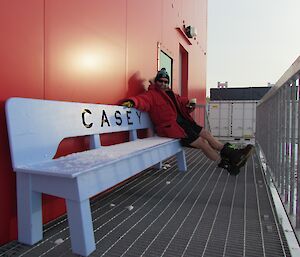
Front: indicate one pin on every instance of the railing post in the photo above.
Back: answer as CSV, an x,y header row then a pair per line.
x,y
293,146
287,142
277,141
283,137
199,112
273,136
270,142
298,155
281,146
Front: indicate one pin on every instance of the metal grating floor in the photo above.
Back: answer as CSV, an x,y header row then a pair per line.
x,y
203,212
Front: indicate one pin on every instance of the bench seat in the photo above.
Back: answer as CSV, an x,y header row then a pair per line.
x,y
77,164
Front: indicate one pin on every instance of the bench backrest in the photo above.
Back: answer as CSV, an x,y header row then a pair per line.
x,y
36,127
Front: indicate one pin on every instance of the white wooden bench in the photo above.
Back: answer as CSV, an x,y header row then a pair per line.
x,y
35,129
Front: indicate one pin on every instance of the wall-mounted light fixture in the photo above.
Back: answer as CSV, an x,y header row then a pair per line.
x,y
190,31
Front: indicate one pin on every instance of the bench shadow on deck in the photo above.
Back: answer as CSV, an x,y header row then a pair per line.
x,y
202,212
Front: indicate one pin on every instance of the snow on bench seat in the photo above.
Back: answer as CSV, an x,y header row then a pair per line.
x,y
75,164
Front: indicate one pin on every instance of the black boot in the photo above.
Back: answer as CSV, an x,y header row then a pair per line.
x,y
233,159
225,164
235,156
226,150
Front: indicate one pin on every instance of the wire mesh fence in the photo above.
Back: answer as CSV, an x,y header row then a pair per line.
x,y
277,135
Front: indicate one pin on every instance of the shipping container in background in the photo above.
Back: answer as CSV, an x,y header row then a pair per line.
x,y
232,120
238,93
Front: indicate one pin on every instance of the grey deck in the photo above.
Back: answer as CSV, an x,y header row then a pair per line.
x,y
203,212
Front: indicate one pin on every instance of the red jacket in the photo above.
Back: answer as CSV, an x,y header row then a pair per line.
x,y
162,111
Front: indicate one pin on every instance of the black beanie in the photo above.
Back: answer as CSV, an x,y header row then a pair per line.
x,y
162,74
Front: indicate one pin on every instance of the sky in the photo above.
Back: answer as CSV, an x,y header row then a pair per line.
x,y
251,42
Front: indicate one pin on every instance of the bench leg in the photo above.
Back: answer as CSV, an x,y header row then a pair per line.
x,y
158,166
30,225
81,227
181,162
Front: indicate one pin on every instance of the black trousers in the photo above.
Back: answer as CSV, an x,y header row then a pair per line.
x,y
192,129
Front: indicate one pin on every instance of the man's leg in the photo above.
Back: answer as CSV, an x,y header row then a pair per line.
x,y
227,151
202,144
214,143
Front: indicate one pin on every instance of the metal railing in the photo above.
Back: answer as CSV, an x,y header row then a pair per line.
x,y
201,116
277,137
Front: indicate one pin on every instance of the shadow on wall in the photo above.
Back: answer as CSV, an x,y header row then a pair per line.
x,y
136,85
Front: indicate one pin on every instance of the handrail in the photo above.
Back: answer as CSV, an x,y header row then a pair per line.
x,y
292,73
278,138
204,115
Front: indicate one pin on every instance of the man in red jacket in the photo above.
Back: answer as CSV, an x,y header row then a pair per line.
x,y
170,114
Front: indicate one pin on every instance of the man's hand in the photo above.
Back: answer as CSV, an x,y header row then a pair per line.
x,y
128,103
151,81
192,103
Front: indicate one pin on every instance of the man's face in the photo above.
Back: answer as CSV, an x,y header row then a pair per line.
x,y
163,84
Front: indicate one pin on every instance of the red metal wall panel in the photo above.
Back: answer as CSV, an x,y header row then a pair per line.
x,y
89,51
143,32
85,50
21,74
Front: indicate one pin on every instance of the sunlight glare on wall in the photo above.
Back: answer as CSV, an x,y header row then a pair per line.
x,y
89,61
